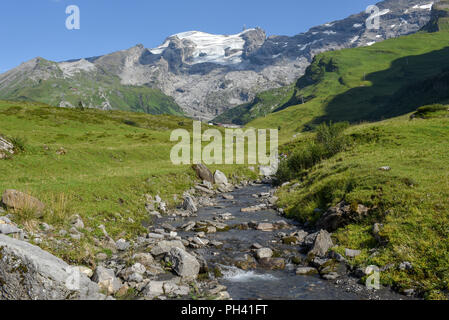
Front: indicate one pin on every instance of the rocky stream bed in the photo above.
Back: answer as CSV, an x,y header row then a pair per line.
x,y
225,242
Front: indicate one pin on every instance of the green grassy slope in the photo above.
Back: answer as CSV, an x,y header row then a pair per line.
x,y
265,103
385,80
113,158
91,89
411,200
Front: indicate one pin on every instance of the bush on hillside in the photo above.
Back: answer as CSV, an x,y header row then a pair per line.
x,y
330,140
427,111
19,144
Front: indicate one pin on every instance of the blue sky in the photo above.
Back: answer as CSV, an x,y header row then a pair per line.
x,y
31,28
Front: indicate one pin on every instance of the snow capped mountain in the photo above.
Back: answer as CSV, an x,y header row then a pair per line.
x,y
207,74
219,49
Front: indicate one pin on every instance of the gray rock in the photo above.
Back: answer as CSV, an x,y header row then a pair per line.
x,y
77,222
85,270
175,290
163,247
408,292
5,219
352,253
309,240
6,148
133,273
184,264
264,253
107,280
273,200
336,256
203,172
189,204
330,276
101,256
265,227
145,259
306,271
405,266
208,184
256,246
122,245
220,178
377,229
154,289
29,273
156,236
9,229
17,200
340,215
322,244
204,190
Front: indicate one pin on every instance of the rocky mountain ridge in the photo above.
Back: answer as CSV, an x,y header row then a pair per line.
x,y
208,74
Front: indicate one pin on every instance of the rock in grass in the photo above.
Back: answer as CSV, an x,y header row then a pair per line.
x,y
122,245
30,273
352,253
184,264
6,148
9,229
340,215
405,266
203,172
220,178
19,201
77,222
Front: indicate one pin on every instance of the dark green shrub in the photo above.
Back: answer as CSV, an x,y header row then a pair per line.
x,y
19,144
428,111
330,140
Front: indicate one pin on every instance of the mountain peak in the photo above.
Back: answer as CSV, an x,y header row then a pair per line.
x,y
201,47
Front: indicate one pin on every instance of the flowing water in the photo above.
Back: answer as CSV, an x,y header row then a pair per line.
x,y
260,283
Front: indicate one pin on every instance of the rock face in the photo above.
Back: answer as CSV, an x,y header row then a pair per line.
x,y
184,264
21,201
29,273
207,74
